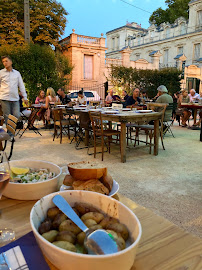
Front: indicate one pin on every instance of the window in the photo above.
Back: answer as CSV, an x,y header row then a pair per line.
x,y
199,18
182,28
88,67
152,34
117,44
180,50
165,58
197,51
167,32
138,40
137,56
113,43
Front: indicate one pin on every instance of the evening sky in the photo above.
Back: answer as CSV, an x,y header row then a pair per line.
x,y
93,17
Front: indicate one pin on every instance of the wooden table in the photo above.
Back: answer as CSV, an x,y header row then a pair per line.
x,y
163,245
194,107
126,117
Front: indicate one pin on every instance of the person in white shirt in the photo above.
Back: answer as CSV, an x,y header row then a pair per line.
x,y
82,98
194,96
10,82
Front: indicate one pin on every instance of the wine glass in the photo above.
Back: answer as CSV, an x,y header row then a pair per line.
x,y
6,235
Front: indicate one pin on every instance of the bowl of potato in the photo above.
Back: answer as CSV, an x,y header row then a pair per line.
x,y
61,241
31,179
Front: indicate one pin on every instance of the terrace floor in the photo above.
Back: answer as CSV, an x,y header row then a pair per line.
x,y
169,184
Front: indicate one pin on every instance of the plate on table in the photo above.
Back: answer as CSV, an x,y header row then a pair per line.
x,y
126,109
61,106
115,188
95,110
144,111
111,112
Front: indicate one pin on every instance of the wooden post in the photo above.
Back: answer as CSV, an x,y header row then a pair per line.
x,y
26,21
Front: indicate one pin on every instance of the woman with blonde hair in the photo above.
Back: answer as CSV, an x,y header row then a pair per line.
x,y
51,99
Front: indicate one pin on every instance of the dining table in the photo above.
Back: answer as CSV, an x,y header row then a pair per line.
x,y
193,106
163,245
123,117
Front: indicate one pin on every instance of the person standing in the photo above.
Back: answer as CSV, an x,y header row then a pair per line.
x,y
10,82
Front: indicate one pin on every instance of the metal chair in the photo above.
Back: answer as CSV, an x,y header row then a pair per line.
x,y
99,131
11,129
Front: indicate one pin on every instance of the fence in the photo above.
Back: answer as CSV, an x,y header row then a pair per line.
x,y
99,88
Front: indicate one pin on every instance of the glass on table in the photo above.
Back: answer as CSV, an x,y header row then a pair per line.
x,y
6,235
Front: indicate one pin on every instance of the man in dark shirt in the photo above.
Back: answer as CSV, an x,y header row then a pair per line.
x,y
134,99
63,97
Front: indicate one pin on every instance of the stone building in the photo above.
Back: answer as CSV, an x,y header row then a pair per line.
x,y
178,45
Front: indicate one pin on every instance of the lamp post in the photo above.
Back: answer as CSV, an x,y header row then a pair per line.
x,y
26,21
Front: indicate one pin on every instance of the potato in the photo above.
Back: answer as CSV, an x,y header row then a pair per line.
x,y
90,222
119,228
68,180
108,220
93,215
66,236
65,245
84,208
119,240
45,226
69,225
96,227
52,212
58,220
80,238
76,211
51,235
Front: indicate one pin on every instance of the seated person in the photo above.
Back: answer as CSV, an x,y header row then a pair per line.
x,y
194,96
164,97
144,96
51,99
41,99
82,100
133,100
110,98
125,95
64,97
185,113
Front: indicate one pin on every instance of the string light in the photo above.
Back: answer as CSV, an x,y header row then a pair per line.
x,y
136,6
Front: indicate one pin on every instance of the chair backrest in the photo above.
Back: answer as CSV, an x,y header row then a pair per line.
x,y
158,107
84,120
57,114
96,121
169,112
11,124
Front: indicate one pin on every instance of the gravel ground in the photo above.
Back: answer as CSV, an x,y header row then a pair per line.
x,y
169,184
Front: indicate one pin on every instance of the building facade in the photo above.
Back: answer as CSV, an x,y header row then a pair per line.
x,y
179,44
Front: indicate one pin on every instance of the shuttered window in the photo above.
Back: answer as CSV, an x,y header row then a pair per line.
x,y
197,51
88,67
200,18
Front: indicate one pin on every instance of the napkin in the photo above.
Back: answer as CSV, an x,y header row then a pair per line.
x,y
31,251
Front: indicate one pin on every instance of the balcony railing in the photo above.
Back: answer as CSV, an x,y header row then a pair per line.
x,y
87,40
112,61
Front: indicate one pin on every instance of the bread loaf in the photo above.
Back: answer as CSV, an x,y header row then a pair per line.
x,y
86,170
91,185
107,181
68,180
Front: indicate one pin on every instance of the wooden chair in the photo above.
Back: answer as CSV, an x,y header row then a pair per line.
x,y
11,129
100,131
149,128
61,123
168,120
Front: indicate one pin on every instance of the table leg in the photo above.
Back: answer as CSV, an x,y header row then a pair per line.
x,y
123,142
86,137
156,137
195,115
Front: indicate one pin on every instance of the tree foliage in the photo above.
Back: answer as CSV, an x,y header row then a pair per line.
x,y
147,80
176,9
40,67
47,21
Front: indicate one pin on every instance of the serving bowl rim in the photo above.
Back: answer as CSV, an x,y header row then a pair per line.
x,y
78,255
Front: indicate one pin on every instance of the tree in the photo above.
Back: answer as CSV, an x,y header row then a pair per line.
x,y
176,9
39,66
47,21
148,80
